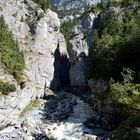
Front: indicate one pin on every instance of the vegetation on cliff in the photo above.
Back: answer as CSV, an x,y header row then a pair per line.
x,y
116,43
125,96
44,4
10,56
115,58
66,27
6,87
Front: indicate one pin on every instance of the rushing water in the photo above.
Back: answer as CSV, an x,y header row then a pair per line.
x,y
73,127
36,123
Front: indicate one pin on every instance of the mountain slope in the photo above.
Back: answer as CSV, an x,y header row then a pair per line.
x,y
71,4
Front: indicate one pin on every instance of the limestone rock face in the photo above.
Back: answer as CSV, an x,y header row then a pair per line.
x,y
79,46
88,22
68,4
77,43
38,36
78,50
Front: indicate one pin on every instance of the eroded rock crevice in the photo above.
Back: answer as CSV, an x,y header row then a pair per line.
x,y
61,70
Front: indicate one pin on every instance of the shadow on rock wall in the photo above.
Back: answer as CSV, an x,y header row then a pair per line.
x,y
61,71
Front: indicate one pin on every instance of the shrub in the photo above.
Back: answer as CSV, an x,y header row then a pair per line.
x,y
6,87
128,130
66,29
125,94
44,4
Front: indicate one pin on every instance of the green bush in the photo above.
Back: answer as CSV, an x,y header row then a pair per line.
x,y
6,87
10,55
124,95
44,4
127,2
122,92
66,29
62,13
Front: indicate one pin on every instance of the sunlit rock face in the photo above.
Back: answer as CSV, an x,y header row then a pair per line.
x,y
71,4
38,36
79,48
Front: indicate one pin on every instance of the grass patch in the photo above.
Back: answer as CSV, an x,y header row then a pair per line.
x,y
33,104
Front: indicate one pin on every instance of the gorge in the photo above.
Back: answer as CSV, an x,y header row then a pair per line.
x,y
77,85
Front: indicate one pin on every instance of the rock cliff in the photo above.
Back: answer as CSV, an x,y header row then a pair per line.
x,y
37,33
79,47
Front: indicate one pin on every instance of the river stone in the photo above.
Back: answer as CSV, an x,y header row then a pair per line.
x,y
91,122
99,132
89,137
60,107
28,138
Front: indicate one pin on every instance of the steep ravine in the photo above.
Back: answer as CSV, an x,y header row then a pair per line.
x,y
60,115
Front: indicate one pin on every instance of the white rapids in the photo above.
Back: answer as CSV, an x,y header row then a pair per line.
x,y
73,127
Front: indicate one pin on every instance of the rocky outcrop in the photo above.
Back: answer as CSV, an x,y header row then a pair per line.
x,y
37,33
78,51
61,65
88,21
79,46
110,115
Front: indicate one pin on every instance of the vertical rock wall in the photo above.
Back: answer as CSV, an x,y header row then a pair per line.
x,y
79,47
37,33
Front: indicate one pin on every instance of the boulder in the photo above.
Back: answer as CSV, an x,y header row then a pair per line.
x,y
91,122
89,137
